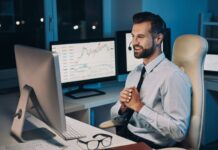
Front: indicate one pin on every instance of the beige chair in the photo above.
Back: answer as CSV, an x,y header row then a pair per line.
x,y
188,53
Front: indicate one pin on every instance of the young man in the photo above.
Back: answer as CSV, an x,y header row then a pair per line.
x,y
162,106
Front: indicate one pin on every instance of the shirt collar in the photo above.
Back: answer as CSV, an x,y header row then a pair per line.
x,y
151,65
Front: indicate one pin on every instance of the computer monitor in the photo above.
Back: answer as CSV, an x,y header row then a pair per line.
x,y
40,89
126,60
83,62
211,65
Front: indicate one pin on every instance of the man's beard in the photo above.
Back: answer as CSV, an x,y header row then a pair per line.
x,y
145,52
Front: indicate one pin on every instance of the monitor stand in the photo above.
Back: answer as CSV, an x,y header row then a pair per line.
x,y
19,119
82,92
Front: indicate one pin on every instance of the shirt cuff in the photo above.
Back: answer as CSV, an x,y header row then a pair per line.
x,y
115,109
147,113
118,111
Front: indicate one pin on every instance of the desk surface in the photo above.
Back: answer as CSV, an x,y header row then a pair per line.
x,y
81,127
8,104
111,89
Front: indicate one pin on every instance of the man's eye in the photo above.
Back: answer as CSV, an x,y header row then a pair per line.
x,y
141,37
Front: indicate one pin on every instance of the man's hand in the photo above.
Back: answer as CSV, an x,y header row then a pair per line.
x,y
130,98
125,96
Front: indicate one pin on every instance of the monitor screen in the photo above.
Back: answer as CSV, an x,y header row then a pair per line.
x,y
39,77
131,61
211,59
86,61
211,62
126,60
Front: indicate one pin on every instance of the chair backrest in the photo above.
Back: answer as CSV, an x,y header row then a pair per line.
x,y
189,52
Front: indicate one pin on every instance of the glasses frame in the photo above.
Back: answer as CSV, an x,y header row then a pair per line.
x,y
99,141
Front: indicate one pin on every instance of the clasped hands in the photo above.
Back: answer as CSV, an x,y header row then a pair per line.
x,y
130,98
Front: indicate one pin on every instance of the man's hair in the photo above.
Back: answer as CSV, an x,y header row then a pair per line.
x,y
157,23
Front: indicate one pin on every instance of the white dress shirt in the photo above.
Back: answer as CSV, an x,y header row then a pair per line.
x,y
166,94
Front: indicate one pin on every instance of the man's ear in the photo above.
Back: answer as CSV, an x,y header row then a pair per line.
x,y
159,38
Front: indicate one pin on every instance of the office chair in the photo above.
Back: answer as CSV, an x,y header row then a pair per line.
x,y
189,52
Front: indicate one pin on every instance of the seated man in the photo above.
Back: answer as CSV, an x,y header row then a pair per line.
x,y
161,102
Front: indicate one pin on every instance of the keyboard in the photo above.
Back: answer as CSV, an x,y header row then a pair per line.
x,y
71,133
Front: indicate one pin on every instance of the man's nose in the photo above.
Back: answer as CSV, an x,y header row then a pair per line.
x,y
135,41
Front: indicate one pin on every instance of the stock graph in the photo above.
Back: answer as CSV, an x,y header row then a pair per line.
x,y
83,61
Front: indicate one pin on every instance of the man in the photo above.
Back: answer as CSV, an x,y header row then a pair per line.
x,y
162,107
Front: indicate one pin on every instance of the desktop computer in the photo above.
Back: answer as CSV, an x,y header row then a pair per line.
x,y
40,91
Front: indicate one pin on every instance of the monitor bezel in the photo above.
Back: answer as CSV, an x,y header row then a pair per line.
x,y
94,80
121,49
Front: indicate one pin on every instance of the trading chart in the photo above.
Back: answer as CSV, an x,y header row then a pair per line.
x,y
82,61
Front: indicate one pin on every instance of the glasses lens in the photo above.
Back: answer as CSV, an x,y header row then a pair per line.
x,y
92,145
82,145
106,142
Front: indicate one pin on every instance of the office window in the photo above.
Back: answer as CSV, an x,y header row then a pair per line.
x,y
79,19
21,22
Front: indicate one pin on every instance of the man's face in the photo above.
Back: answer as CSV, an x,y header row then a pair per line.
x,y
142,40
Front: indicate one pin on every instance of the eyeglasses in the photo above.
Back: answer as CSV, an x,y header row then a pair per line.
x,y
94,144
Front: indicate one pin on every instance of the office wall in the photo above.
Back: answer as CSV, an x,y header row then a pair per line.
x,y
117,15
212,7
182,16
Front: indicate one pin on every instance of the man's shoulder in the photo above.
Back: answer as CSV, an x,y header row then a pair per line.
x,y
170,67
173,71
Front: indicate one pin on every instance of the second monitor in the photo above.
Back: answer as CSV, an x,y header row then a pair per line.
x,y
126,60
87,61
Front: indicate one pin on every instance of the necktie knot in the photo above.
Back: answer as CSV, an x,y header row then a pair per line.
x,y
143,71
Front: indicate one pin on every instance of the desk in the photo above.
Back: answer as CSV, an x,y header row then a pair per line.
x,y
79,126
8,105
87,109
102,104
